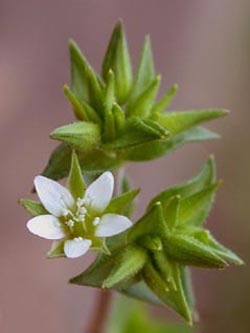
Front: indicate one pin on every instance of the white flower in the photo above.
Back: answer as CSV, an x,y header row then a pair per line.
x,y
78,222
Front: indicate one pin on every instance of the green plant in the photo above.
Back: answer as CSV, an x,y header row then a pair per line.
x,y
120,119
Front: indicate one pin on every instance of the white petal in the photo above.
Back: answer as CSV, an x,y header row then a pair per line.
x,y
99,193
46,226
76,247
54,197
112,224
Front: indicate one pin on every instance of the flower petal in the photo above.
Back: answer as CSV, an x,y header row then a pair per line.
x,y
46,226
99,193
76,247
54,197
112,224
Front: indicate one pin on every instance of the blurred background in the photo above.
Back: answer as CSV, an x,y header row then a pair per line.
x,y
204,46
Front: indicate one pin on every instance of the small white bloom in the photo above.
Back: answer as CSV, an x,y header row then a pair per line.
x,y
71,219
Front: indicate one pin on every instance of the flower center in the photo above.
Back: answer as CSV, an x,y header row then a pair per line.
x,y
81,222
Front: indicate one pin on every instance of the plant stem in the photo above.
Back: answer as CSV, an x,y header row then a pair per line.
x,y
104,297
98,321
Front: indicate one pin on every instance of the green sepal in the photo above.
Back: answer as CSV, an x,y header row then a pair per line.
x,y
127,264
175,299
109,131
150,242
143,104
157,148
137,132
96,273
57,250
82,110
189,251
145,72
166,268
119,118
120,204
91,162
84,82
171,211
82,135
152,223
186,282
117,59
194,209
109,98
206,237
34,208
161,106
181,121
75,181
204,178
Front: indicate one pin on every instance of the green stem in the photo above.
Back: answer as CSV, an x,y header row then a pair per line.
x,y
104,297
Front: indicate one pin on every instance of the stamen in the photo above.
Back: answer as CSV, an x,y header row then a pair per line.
x,y
70,223
96,221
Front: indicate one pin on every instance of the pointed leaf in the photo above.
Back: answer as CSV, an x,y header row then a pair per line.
x,y
143,104
193,210
84,82
152,223
205,177
120,204
34,208
177,122
128,264
117,58
82,135
83,111
145,71
189,251
75,181
159,287
171,211
138,131
165,101
206,237
119,118
157,148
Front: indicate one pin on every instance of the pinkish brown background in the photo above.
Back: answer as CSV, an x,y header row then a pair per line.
x,y
202,45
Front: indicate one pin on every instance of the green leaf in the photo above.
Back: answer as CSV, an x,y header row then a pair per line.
x,y
157,148
205,178
171,211
34,208
130,261
193,210
109,98
145,71
83,111
152,223
120,204
117,59
96,273
160,288
75,181
84,82
165,101
189,251
119,118
82,135
206,237
143,104
177,122
138,131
